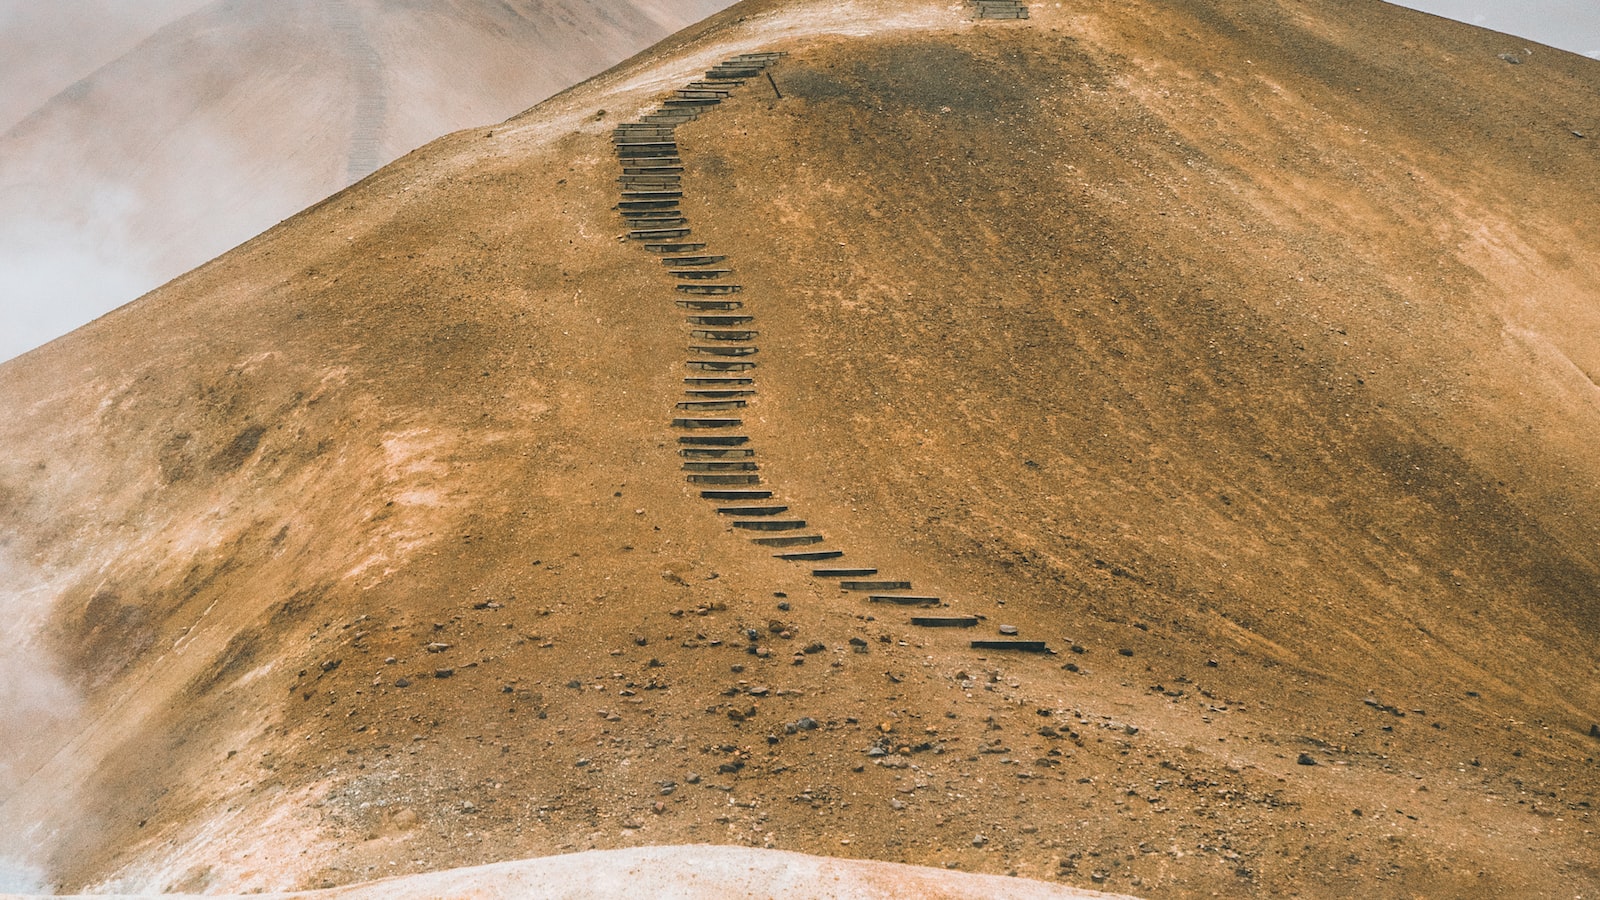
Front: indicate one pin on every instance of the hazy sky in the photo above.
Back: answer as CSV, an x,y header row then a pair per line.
x,y
46,45
1569,24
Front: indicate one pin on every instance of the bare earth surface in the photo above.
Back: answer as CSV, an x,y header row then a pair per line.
x,y
1241,351
695,873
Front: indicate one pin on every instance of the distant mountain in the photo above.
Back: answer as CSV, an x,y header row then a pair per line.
x,y
229,119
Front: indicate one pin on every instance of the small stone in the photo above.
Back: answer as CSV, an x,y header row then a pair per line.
x,y
1594,731
1124,652
784,606
436,647
443,673
389,660
877,752
807,723
582,762
762,653
1306,760
1071,667
979,840
469,807
692,778
1008,629
575,684
896,803
1075,648
331,664
402,681
658,807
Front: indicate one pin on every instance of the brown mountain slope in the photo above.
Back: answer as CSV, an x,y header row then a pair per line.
x,y
230,119
1242,346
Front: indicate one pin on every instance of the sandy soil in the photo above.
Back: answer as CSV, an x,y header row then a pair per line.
x,y
694,873
1240,351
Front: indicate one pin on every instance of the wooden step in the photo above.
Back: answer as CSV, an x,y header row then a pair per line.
x,y
788,540
771,524
711,304
810,555
735,495
751,510
716,453
736,466
945,621
903,599
1023,646
711,405
720,365
720,350
724,479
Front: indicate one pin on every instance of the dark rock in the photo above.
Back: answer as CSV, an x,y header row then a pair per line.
x,y
1306,760
1124,652
443,673
402,681
1594,731
331,664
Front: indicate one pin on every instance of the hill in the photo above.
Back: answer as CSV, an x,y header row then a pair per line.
x,y
1236,351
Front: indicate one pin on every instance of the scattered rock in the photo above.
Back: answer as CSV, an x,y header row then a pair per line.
x,y
1594,731
582,762
896,803
331,664
443,673
1125,652
1306,760
979,840
436,647
402,682
1008,629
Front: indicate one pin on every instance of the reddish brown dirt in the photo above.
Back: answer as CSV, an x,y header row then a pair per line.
x,y
1244,346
